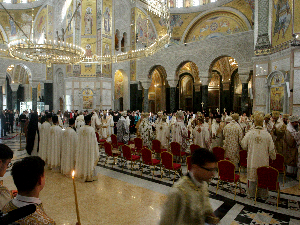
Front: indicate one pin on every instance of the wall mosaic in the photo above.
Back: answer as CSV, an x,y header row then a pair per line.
x,y
40,26
247,7
216,24
296,17
282,22
119,87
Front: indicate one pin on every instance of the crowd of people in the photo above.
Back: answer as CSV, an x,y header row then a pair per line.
x,y
68,141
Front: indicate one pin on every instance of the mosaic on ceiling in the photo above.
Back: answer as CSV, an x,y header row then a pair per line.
x,y
246,7
225,66
190,68
281,26
296,17
216,24
119,89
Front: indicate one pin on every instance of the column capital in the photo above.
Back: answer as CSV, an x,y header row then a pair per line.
x,y
204,80
172,83
244,78
34,84
146,84
14,87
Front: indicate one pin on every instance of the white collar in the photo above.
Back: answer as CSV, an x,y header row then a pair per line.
x,y
21,201
197,183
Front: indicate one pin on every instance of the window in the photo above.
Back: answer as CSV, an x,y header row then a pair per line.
x,y
7,1
23,1
196,2
179,3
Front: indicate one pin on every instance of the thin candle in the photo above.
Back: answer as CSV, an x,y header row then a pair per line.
x,y
76,202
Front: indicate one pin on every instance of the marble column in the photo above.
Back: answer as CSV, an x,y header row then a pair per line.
x,y
34,95
140,98
262,8
173,85
133,96
146,86
14,89
197,98
204,90
48,95
244,98
226,97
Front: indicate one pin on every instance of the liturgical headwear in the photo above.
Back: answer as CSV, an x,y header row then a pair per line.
x,y
294,119
228,119
275,114
268,116
285,116
179,114
235,116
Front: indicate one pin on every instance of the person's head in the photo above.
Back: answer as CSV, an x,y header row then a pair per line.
x,y
294,120
87,119
235,117
258,120
204,164
49,117
275,115
72,122
200,120
267,118
218,118
6,154
285,118
55,119
28,174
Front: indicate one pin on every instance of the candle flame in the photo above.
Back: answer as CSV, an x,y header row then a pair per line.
x,y
73,173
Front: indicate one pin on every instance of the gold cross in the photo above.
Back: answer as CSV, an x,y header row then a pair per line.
x,y
224,110
218,110
202,104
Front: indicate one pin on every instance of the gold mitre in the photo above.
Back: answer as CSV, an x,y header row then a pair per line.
x,y
268,116
124,113
258,112
164,117
199,114
228,119
285,116
275,114
235,116
179,114
146,114
160,113
258,120
294,118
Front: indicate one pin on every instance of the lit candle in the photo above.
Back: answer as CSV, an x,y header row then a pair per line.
x,y
76,202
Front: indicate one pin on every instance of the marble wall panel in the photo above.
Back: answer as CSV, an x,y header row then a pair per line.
x,y
69,92
297,59
296,110
68,85
261,69
260,91
106,85
283,64
76,97
76,84
88,84
106,97
296,97
98,85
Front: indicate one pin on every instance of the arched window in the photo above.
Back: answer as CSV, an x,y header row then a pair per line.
x,y
196,2
179,3
117,40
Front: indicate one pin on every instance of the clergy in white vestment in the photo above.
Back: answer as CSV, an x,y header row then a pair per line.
x,y
201,135
95,122
44,146
259,144
123,129
105,127
55,145
268,124
60,122
217,132
233,136
145,130
163,132
180,132
278,132
79,122
87,153
207,122
69,145
110,123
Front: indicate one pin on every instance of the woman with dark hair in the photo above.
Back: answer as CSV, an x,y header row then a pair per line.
x,y
32,141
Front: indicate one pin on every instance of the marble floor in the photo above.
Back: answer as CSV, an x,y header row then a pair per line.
x,y
122,197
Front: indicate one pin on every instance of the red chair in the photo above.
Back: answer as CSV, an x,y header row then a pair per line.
x,y
156,147
219,152
267,178
193,147
100,141
167,162
138,144
226,172
147,160
110,153
114,141
176,150
189,163
278,164
243,159
128,156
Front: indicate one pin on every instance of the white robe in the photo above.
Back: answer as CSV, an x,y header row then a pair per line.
x,y
68,151
180,134
55,144
163,134
110,123
60,121
44,141
201,138
79,122
217,134
95,121
87,153
105,129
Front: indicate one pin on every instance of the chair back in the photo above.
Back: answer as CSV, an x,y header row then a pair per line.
x,y
98,137
156,146
189,162
278,163
138,143
193,147
108,148
267,177
147,156
175,148
126,152
219,152
243,157
114,140
167,160
226,170
189,134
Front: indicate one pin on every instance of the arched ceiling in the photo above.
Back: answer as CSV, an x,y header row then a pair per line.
x,y
225,66
191,68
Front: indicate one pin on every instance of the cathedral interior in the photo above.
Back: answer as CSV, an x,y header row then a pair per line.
x,y
151,56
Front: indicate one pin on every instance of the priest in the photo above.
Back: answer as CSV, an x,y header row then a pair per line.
x,y
180,132
163,132
201,134
69,149
87,154
123,129
55,145
217,132
146,132
44,145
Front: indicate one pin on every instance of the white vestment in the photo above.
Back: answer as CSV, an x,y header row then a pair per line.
x,y
60,121
163,134
55,144
217,134
79,122
146,132
105,129
87,153
44,141
180,134
95,121
110,123
201,136
69,145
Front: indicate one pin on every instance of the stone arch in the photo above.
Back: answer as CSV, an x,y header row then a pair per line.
x,y
125,87
191,68
279,86
214,10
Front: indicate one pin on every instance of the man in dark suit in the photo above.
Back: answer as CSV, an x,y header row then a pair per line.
x,y
3,124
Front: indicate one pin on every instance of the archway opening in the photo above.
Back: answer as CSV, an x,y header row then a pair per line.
x,y
157,90
186,83
119,91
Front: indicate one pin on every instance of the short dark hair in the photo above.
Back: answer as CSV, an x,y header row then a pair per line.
x,y
5,152
201,156
87,119
71,121
27,172
55,119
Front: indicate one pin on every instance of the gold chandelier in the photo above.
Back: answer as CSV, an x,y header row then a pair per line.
x,y
47,52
